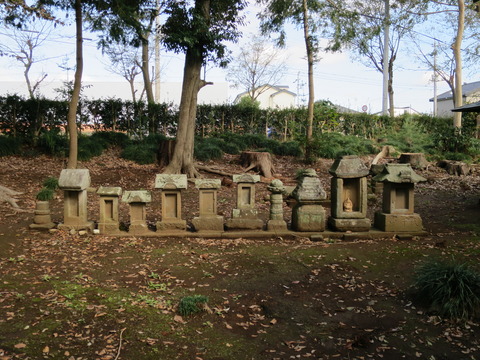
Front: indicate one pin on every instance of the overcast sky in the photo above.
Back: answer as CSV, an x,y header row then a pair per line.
x,y
337,77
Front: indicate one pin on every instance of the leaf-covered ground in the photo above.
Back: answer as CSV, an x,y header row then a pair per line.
x,y
65,296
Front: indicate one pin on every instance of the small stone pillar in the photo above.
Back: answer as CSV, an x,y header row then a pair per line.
x,y
109,199
42,220
171,186
349,195
276,222
398,205
137,200
208,219
245,215
308,214
74,183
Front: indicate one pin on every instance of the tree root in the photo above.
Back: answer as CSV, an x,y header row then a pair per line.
x,y
8,195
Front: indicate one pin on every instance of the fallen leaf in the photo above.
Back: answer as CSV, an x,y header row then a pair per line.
x,y
20,346
179,319
46,350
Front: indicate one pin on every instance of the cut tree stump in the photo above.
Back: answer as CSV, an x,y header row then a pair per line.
x,y
165,152
455,167
417,160
260,161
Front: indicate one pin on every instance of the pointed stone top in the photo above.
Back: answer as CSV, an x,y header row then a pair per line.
x,y
74,179
309,187
399,173
171,181
137,196
246,178
349,166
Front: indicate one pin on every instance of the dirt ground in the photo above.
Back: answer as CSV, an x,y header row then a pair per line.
x,y
73,297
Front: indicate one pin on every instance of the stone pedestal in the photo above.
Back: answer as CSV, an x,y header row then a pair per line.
x,y
276,222
349,195
208,219
75,182
171,198
42,219
244,216
137,201
109,200
308,214
398,199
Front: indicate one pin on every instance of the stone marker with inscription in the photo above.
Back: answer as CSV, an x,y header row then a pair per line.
x,y
109,201
208,220
138,200
171,198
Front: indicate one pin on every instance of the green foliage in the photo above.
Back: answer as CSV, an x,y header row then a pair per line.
x,y
9,145
50,183
88,148
450,289
45,194
206,151
333,145
189,305
52,143
246,102
289,148
111,138
410,137
141,153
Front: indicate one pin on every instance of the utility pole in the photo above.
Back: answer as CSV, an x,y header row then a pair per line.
x,y
157,54
386,56
435,106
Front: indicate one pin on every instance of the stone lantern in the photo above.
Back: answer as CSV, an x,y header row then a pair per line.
x,y
244,216
208,220
398,205
308,214
349,195
171,186
276,222
74,183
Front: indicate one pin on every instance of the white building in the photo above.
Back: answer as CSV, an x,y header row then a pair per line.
x,y
471,94
272,97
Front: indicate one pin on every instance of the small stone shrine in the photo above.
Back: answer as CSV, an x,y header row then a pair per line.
x,y
349,195
245,215
208,220
109,201
276,222
171,186
42,219
397,209
137,200
74,183
308,214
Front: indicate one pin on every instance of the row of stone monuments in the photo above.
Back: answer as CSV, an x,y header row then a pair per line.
x,y
348,202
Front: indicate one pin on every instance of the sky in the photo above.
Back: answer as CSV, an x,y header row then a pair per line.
x,y
337,77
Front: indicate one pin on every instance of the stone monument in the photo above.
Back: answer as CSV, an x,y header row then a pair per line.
x,y
276,222
137,201
349,195
308,214
42,219
244,216
398,204
74,183
109,200
208,220
171,186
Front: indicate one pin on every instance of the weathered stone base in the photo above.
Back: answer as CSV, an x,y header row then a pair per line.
x,y
276,225
241,223
308,218
45,226
398,222
349,224
89,225
172,224
108,228
208,223
139,229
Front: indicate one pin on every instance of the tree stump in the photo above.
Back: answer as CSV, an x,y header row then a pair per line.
x,y
260,161
417,160
455,167
165,152
387,152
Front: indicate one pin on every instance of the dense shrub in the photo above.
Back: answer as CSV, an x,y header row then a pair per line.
x,y
88,147
450,289
206,151
53,143
111,138
289,148
141,153
410,137
333,145
9,145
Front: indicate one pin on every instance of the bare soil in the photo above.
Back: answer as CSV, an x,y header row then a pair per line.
x,y
65,296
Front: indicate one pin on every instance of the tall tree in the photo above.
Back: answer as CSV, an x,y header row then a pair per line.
x,y
199,29
256,64
310,17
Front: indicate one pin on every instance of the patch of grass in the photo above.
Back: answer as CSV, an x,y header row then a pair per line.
x,y
9,145
45,194
190,305
450,289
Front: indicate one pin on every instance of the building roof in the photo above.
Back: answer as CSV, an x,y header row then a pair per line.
x,y
474,107
467,90
279,89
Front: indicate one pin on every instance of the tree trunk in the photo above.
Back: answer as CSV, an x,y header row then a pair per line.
x,y
260,161
77,84
311,91
390,86
146,71
457,48
165,152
